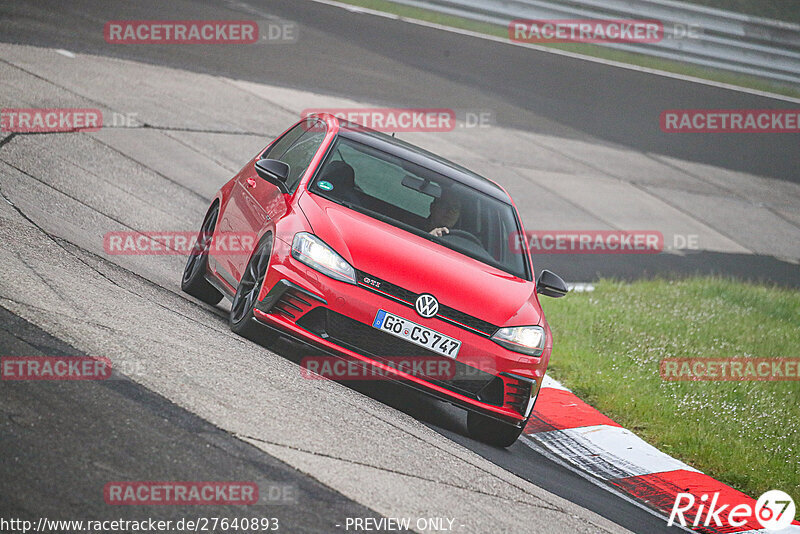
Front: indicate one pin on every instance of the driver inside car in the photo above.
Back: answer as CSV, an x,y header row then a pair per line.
x,y
444,213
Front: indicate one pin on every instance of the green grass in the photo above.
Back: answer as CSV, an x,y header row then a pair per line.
x,y
640,60
607,349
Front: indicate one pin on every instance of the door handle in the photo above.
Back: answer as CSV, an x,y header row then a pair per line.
x,y
251,182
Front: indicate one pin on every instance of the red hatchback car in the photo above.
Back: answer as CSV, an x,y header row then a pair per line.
x,y
374,250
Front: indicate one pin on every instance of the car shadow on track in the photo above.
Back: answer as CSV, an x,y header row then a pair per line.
x,y
442,416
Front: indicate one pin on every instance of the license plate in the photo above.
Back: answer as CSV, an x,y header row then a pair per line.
x,y
417,334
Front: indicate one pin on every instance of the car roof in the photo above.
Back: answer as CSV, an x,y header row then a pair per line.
x,y
421,157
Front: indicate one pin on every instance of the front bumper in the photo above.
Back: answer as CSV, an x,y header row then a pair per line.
x,y
336,317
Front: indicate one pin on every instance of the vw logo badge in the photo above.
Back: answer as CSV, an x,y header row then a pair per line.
x,y
427,305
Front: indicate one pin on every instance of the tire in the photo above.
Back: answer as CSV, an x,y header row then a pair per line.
x,y
194,280
241,319
492,431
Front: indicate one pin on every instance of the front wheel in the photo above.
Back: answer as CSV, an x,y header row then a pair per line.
x,y
241,319
492,431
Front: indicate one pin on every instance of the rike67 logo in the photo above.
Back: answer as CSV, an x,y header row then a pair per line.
x,y
774,510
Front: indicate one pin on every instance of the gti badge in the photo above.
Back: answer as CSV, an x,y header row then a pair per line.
x,y
427,305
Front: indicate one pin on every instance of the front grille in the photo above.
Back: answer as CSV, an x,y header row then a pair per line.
x,y
382,286
446,312
404,296
364,339
370,339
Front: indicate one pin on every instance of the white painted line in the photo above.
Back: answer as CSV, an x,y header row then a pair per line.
x,y
555,51
66,53
552,383
588,477
608,452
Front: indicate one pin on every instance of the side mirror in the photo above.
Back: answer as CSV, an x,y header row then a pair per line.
x,y
273,171
551,285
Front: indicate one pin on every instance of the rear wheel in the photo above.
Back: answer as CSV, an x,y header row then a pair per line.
x,y
492,431
241,319
194,280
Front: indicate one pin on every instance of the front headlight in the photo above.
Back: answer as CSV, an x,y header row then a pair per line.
x,y
310,249
525,339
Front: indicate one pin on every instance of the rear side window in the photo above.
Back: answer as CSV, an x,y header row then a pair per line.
x,y
297,148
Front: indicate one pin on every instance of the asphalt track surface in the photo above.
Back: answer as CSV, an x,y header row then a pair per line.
x,y
403,66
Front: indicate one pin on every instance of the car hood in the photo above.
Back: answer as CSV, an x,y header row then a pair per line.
x,y
422,266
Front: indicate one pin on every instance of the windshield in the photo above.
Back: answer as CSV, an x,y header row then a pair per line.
x,y
422,202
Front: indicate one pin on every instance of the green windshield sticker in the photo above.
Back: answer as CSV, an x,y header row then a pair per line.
x,y
326,186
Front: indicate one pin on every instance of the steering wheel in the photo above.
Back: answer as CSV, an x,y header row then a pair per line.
x,y
463,234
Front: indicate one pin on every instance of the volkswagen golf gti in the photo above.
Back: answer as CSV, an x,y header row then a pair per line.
x,y
376,251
